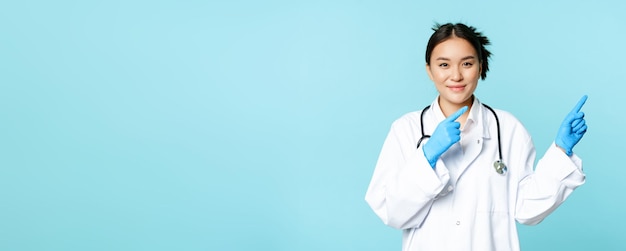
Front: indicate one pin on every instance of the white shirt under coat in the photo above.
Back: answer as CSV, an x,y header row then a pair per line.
x,y
464,204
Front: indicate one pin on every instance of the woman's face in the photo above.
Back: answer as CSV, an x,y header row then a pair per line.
x,y
454,68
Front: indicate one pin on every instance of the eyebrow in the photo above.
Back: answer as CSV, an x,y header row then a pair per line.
x,y
462,59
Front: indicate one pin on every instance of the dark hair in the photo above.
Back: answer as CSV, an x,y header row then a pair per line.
x,y
469,33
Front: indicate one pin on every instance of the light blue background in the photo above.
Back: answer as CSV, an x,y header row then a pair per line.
x,y
256,125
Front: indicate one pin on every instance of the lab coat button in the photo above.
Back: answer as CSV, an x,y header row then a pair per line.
x,y
450,188
458,223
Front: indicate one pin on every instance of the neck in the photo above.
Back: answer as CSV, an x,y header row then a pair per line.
x,y
449,108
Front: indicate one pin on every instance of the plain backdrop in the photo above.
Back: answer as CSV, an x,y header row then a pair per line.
x,y
256,125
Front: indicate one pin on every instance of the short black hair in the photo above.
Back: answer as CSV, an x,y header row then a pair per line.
x,y
469,33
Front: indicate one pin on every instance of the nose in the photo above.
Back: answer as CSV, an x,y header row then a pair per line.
x,y
456,74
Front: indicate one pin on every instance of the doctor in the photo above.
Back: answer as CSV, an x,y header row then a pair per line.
x,y
464,187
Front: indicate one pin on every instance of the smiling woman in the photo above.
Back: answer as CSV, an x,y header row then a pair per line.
x,y
455,71
445,194
256,125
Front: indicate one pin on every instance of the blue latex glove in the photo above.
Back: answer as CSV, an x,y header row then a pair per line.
x,y
572,129
445,135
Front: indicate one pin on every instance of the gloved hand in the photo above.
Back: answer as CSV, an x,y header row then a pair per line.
x,y
572,129
445,135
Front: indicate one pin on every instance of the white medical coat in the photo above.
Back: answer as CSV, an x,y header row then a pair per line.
x,y
463,203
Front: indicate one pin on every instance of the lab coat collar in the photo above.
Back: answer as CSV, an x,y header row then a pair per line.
x,y
477,111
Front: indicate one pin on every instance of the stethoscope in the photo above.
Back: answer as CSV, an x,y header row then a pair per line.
x,y
498,164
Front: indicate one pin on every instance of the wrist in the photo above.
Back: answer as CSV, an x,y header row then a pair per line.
x,y
567,152
432,160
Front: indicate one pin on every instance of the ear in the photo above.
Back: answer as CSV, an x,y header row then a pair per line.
x,y
430,74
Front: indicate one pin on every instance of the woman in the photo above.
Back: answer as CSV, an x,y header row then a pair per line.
x,y
464,187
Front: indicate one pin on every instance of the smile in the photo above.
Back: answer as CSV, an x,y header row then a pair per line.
x,y
457,88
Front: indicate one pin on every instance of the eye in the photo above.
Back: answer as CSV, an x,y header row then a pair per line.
x,y
443,65
468,64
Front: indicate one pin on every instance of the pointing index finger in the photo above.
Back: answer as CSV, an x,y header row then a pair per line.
x,y
580,104
457,114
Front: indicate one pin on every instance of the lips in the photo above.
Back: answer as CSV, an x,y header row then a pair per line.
x,y
456,88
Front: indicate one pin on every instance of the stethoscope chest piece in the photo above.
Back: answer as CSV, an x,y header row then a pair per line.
x,y
500,167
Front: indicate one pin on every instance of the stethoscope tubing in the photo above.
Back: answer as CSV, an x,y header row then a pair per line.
x,y
425,136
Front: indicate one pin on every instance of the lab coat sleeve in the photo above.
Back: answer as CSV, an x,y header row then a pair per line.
x,y
554,179
404,186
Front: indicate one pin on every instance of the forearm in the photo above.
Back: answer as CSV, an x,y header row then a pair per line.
x,y
555,178
402,196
